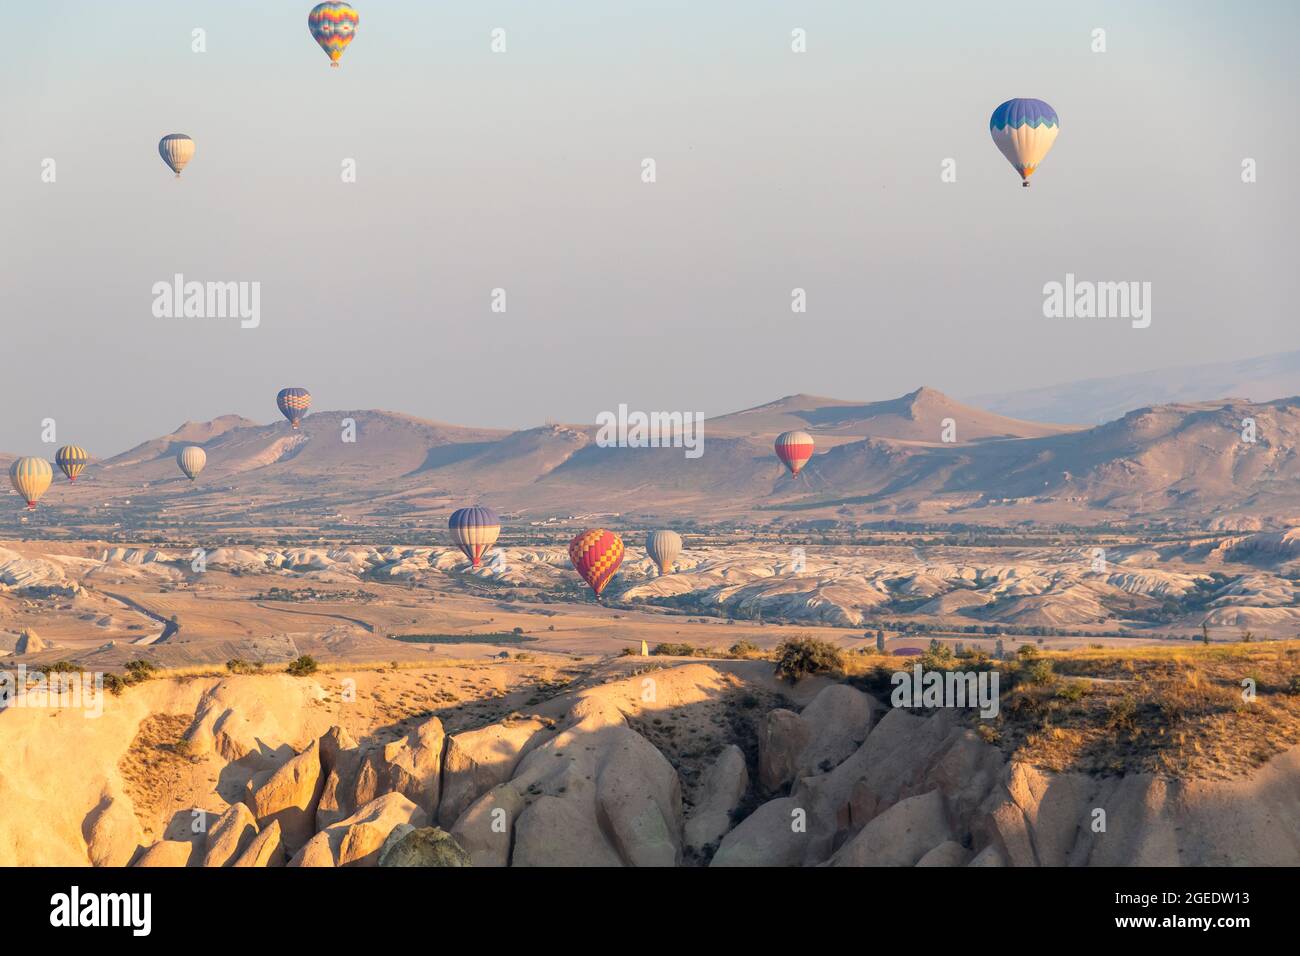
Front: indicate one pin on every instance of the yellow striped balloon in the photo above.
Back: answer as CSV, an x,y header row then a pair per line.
x,y
71,460
176,150
30,478
192,459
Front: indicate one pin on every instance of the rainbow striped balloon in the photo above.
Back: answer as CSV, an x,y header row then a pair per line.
x,y
333,25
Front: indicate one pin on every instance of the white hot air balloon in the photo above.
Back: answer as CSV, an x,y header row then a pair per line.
x,y
663,548
176,150
1024,130
191,460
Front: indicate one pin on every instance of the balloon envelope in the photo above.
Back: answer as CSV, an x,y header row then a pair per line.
x,y
293,404
596,555
794,449
30,478
192,459
71,460
663,548
1024,129
474,530
333,25
177,150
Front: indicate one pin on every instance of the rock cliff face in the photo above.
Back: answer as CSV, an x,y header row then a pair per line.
x,y
608,775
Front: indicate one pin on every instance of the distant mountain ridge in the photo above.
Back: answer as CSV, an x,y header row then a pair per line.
x,y
875,461
1096,400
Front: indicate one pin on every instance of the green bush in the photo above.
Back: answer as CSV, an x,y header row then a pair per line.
x,y
804,656
238,665
1036,671
677,650
114,684
140,670
303,666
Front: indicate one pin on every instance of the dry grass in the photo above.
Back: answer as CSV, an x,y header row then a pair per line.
x,y
156,770
1171,711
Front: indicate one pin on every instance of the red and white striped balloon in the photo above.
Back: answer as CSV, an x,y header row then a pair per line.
x,y
794,449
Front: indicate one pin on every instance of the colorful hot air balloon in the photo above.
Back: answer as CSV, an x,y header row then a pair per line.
x,y
663,548
30,478
1024,130
333,25
192,459
794,449
71,459
474,530
293,403
177,150
596,555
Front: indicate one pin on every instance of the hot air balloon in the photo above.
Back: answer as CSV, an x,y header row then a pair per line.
x,y
177,150
293,403
30,478
71,459
474,530
596,555
1024,130
663,548
794,449
333,25
192,459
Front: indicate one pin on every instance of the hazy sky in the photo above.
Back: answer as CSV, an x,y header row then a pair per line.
x,y
522,170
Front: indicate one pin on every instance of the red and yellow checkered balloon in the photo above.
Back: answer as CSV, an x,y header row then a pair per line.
x,y
596,554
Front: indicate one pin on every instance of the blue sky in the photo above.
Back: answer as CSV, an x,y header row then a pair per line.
x,y
521,170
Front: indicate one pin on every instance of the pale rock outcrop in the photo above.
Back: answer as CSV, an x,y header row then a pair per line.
x,y
782,737
29,642
900,836
421,846
230,835
484,829
639,799
267,849
819,738
721,791
770,836
948,853
414,765
357,840
840,718
236,724
555,832
112,832
989,856
478,760
168,853
288,796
